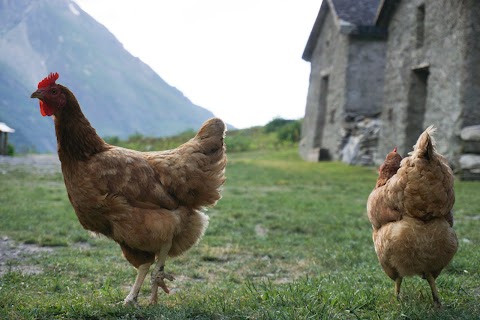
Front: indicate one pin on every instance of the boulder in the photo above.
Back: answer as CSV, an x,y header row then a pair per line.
x,y
471,133
470,162
360,139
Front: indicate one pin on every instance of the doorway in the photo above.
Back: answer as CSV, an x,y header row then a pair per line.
x,y
417,101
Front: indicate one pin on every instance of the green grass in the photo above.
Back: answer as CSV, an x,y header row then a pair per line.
x,y
289,240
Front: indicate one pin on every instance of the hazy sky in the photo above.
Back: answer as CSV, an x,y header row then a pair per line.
x,y
241,59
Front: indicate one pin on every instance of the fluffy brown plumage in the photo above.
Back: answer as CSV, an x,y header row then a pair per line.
x,y
150,203
410,211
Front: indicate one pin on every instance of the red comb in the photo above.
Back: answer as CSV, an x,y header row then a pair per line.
x,y
395,149
50,79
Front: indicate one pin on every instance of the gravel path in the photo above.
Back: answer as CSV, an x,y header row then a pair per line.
x,y
42,163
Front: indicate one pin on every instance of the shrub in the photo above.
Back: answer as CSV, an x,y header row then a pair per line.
x,y
10,150
290,132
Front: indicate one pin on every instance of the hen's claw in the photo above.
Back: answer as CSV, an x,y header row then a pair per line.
x,y
159,280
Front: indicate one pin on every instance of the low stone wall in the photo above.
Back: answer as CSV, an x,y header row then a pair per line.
x,y
360,141
470,158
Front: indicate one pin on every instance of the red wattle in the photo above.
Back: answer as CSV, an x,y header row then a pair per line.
x,y
45,110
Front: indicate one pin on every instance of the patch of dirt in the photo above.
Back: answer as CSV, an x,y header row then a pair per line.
x,y
261,231
42,163
12,255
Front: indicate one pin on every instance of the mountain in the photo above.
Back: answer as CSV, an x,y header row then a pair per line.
x,y
119,94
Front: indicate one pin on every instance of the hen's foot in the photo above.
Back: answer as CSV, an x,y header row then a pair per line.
x,y
130,302
158,279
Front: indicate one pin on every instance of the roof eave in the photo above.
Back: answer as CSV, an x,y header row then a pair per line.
x,y
314,34
385,12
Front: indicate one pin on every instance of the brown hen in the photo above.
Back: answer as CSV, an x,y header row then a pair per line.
x,y
150,203
410,211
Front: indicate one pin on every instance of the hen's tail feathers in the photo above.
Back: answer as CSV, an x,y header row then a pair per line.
x,y
196,173
211,165
425,146
212,128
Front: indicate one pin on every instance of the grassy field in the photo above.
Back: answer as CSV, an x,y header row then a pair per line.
x,y
289,240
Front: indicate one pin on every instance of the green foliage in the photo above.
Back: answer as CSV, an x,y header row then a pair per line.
x,y
290,132
113,140
288,240
10,150
276,124
286,130
277,135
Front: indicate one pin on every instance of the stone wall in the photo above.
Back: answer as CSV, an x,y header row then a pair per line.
x,y
469,163
365,77
327,82
445,57
360,141
345,83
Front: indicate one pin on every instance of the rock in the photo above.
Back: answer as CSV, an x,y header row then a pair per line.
x,y
470,162
360,139
471,133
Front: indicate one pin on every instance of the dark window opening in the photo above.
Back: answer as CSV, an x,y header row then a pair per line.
x,y
324,155
420,25
417,101
332,116
322,112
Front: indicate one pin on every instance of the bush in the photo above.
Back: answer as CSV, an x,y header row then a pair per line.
x,y
286,130
290,132
276,124
114,140
238,143
10,150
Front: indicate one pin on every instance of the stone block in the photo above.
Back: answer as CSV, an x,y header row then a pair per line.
x,y
471,133
470,162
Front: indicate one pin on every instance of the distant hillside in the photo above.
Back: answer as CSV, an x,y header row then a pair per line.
x,y
119,94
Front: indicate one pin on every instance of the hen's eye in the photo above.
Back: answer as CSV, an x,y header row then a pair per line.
x,y
54,91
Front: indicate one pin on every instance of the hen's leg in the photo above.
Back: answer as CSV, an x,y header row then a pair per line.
x,y
141,274
398,283
431,282
158,273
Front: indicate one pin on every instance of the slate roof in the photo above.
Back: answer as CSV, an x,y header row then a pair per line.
x,y
357,12
351,17
385,12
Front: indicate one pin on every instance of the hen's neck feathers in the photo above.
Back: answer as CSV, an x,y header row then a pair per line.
x,y
76,138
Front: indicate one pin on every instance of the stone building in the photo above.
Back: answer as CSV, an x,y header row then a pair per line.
x,y
432,73
429,74
347,56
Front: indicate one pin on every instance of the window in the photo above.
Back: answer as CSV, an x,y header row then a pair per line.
x,y
420,25
417,103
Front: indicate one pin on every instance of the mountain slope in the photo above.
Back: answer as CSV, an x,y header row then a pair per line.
x,y
118,93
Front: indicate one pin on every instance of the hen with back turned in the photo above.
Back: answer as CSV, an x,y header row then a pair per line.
x,y
411,214
150,203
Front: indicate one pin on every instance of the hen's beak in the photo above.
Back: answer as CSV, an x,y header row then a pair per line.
x,y
37,94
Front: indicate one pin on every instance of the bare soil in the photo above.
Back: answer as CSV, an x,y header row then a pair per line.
x,y
12,254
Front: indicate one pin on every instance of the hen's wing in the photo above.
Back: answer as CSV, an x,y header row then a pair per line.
x,y
194,173
382,204
126,173
428,190
427,179
190,175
